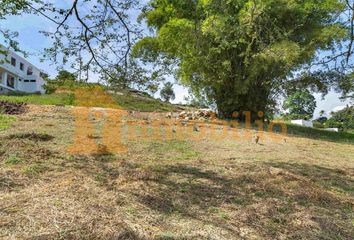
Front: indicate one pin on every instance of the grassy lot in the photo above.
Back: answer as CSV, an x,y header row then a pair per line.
x,y
129,102
171,189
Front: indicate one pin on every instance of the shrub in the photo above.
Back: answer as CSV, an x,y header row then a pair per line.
x,y
317,124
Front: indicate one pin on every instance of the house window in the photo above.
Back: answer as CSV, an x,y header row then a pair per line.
x,y
33,81
20,79
22,66
10,81
26,80
29,71
13,62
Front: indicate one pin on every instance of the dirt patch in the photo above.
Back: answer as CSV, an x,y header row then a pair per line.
x,y
36,137
13,108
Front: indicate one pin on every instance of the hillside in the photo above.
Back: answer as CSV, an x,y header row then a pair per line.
x,y
126,99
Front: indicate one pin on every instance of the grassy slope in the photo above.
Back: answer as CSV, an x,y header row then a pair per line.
x,y
129,102
126,101
173,189
313,133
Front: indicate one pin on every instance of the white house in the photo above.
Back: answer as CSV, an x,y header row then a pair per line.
x,y
303,123
19,75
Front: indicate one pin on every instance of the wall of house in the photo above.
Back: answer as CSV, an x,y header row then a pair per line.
x,y
303,123
24,82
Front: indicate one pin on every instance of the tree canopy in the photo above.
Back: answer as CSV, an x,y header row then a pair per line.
x,y
343,119
167,92
301,105
241,53
237,54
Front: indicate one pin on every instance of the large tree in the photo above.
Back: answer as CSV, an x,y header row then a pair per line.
x,y
167,92
241,53
300,104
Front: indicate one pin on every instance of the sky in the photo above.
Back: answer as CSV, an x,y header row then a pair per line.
x,y
28,27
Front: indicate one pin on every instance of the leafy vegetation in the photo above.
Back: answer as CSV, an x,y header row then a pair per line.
x,y
64,79
146,104
301,105
167,92
343,120
239,54
5,121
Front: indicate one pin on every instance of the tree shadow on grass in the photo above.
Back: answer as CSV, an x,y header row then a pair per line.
x,y
204,192
36,137
299,201
327,178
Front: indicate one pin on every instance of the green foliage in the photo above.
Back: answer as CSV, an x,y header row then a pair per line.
x,y
12,160
146,104
66,76
343,119
301,105
317,124
320,122
167,92
45,99
239,53
65,79
5,121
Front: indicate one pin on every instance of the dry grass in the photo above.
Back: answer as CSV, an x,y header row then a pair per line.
x,y
174,189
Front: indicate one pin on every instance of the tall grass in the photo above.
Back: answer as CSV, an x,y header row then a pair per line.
x,y
5,121
45,99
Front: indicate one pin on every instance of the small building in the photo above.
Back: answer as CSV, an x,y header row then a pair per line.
x,y
332,129
19,75
304,123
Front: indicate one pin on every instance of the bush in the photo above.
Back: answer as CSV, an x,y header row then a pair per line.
x,y
317,124
344,119
289,117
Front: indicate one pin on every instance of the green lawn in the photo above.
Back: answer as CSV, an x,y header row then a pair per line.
x,y
125,101
5,121
45,99
314,133
129,102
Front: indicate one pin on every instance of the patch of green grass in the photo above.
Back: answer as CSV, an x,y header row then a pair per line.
x,y
34,169
43,99
313,133
143,104
224,215
12,160
6,121
132,210
172,150
101,177
221,213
